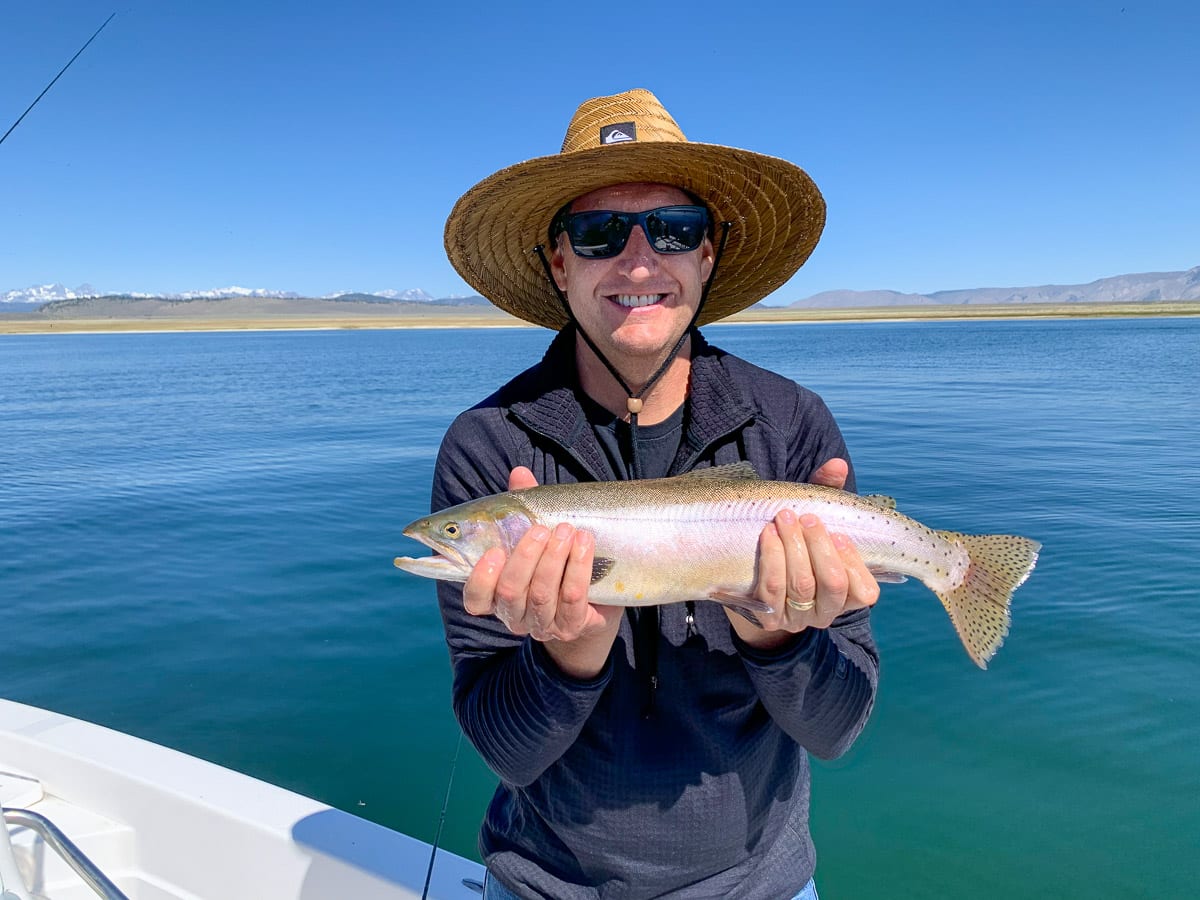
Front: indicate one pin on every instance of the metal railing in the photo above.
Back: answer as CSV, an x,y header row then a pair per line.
x,y
53,837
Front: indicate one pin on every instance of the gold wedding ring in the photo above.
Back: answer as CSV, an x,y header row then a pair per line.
x,y
801,607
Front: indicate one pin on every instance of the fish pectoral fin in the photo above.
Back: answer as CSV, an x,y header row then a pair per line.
x,y
601,566
744,605
747,615
883,501
746,601
883,576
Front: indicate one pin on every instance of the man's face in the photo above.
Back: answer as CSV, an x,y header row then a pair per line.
x,y
634,305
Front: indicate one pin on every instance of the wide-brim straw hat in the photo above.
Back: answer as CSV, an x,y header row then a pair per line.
x,y
776,210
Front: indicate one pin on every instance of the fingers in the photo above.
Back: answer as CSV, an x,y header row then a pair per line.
x,y
829,569
480,588
809,576
546,581
541,588
514,586
572,613
803,586
771,582
863,589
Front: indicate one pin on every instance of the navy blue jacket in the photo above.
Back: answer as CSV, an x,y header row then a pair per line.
x,y
707,796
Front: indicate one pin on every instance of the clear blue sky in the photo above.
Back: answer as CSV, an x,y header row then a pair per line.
x,y
319,147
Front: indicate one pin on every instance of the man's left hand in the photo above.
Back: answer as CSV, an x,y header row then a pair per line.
x,y
807,575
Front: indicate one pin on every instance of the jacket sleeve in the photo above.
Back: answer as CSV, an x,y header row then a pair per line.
x,y
821,687
519,711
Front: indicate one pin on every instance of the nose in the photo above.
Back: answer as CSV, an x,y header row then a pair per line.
x,y
638,259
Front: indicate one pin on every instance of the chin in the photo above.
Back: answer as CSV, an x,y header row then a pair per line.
x,y
646,341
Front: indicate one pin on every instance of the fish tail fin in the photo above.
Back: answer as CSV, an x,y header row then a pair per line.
x,y
979,606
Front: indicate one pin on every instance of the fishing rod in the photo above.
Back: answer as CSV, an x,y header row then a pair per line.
x,y
441,821
56,77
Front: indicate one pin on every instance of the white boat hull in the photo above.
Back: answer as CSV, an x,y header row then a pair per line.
x,y
163,825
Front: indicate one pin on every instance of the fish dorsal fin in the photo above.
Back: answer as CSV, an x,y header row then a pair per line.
x,y
733,471
883,501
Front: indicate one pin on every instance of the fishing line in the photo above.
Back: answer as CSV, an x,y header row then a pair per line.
x,y
56,77
442,821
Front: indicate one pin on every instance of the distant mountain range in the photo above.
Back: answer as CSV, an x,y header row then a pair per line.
x,y
1147,287
49,297
55,299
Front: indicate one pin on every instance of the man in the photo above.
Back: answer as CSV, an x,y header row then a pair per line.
x,y
660,752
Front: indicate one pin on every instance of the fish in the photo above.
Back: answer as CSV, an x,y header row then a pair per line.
x,y
695,536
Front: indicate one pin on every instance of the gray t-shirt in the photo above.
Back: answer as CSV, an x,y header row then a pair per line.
x,y
657,444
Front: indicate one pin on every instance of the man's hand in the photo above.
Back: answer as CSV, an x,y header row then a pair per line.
x,y
541,590
806,575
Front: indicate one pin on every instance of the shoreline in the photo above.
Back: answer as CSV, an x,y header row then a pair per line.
x,y
32,323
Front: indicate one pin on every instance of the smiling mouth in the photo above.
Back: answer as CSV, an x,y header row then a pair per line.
x,y
635,301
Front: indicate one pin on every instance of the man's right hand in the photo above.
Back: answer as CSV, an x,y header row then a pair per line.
x,y
541,590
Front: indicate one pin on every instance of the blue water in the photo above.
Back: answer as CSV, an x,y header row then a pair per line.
x,y
196,534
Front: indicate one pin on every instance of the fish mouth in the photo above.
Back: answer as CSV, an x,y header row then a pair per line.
x,y
440,550
438,567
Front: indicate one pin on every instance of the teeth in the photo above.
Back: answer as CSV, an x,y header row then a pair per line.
x,y
634,300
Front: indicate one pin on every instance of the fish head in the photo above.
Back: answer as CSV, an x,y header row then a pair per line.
x,y
461,534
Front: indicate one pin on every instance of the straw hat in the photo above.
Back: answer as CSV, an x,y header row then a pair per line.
x,y
776,210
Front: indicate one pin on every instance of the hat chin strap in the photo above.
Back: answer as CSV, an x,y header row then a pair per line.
x,y
643,621
634,401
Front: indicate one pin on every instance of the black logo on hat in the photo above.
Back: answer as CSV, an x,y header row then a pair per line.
x,y
619,133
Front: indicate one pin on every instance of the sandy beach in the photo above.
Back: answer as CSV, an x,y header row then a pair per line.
x,y
33,324
484,317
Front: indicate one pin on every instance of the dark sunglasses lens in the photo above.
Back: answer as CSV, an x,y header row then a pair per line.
x,y
602,233
676,229
595,235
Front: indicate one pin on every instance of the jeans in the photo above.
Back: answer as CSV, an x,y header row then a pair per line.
x,y
494,890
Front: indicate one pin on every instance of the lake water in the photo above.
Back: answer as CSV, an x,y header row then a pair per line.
x,y
196,535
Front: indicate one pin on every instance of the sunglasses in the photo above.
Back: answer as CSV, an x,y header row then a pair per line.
x,y
603,233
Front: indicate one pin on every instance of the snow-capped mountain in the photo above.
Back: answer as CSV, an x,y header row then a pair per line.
x,y
412,295
222,293
44,293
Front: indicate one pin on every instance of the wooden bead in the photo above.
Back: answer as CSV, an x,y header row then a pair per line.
x,y
634,404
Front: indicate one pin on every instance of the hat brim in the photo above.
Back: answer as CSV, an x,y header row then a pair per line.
x,y
776,210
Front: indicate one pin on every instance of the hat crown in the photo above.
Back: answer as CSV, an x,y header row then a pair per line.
x,y
634,116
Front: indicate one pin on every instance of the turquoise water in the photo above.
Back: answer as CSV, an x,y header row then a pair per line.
x,y
196,534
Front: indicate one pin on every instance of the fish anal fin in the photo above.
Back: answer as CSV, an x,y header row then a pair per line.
x,y
883,576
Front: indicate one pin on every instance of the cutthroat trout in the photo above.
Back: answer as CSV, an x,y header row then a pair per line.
x,y
695,536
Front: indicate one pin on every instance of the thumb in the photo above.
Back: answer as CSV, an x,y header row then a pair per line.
x,y
832,474
521,477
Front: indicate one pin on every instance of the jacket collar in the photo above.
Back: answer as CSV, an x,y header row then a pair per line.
x,y
716,405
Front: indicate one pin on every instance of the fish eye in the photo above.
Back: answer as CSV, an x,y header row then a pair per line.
x,y
451,530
